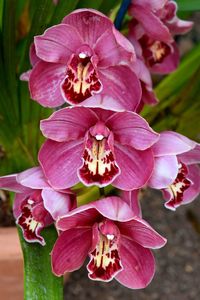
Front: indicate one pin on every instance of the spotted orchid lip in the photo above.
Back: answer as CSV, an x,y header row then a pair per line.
x,y
30,226
81,80
178,187
99,166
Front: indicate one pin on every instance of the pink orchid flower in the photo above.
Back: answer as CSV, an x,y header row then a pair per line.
x,y
116,241
79,59
97,146
176,171
36,204
152,30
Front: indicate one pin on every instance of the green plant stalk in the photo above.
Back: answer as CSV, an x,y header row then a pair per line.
x,y
39,281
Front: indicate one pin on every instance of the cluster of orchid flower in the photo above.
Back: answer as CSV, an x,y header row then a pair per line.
x,y
102,140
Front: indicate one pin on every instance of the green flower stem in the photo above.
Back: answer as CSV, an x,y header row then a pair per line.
x,y
39,281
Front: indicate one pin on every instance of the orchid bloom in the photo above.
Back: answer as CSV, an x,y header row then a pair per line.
x,y
97,146
36,204
152,30
116,240
176,171
79,59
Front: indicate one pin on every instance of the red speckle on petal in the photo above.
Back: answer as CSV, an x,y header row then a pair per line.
x,y
81,80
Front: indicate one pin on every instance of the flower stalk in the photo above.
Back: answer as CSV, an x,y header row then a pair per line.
x,y
39,281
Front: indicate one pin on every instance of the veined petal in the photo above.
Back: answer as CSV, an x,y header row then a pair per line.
x,y
131,129
33,178
84,20
172,143
10,183
152,25
44,83
136,167
138,265
191,157
193,191
60,162
58,203
132,199
142,233
57,43
70,250
111,52
68,124
122,86
164,172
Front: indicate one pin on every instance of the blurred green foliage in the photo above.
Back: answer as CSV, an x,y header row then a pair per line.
x,y
20,137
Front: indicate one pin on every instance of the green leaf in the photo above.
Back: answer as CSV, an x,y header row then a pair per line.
x,y
39,281
107,6
89,4
188,5
62,9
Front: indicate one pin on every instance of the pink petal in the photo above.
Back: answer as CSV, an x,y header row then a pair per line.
x,y
152,25
191,157
136,167
83,216
19,198
131,129
33,178
142,233
57,203
132,199
138,264
60,162
165,172
90,24
112,208
68,124
44,83
193,191
172,143
10,183
57,43
70,250
121,89
113,48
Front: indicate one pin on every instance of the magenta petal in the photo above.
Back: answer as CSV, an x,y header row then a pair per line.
x,y
152,25
57,203
164,173
191,157
58,43
10,183
172,143
83,216
85,19
60,162
142,233
68,124
19,198
136,167
132,199
138,265
122,86
33,178
70,250
193,191
131,129
111,52
44,83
